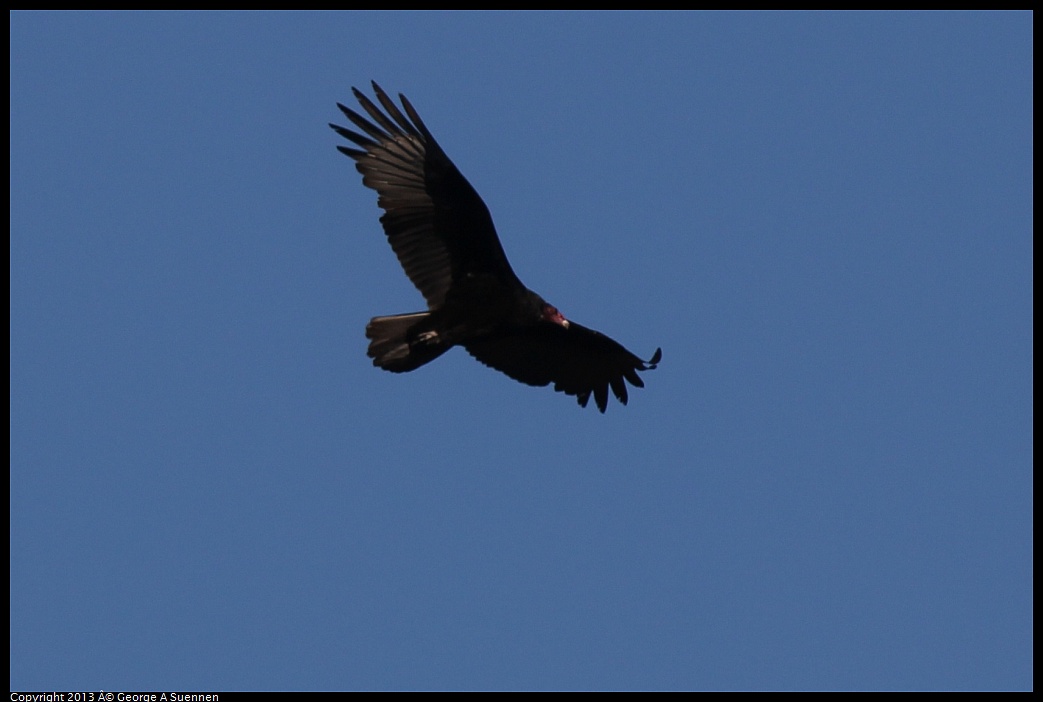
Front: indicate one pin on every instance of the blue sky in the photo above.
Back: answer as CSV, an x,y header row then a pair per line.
x,y
825,220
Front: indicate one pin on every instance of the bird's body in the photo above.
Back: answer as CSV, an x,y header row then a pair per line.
x,y
444,237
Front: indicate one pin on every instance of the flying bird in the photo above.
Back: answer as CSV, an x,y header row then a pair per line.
x,y
443,235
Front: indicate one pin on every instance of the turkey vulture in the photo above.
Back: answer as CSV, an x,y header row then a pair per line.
x,y
444,238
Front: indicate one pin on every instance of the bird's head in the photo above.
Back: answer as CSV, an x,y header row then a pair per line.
x,y
550,313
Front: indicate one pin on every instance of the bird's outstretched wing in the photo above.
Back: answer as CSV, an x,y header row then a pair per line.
x,y
577,360
436,222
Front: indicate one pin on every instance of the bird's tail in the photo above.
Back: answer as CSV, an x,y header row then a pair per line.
x,y
400,343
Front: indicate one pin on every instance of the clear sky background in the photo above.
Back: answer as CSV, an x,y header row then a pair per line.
x,y
825,220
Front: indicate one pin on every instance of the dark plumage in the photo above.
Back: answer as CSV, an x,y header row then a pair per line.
x,y
444,238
